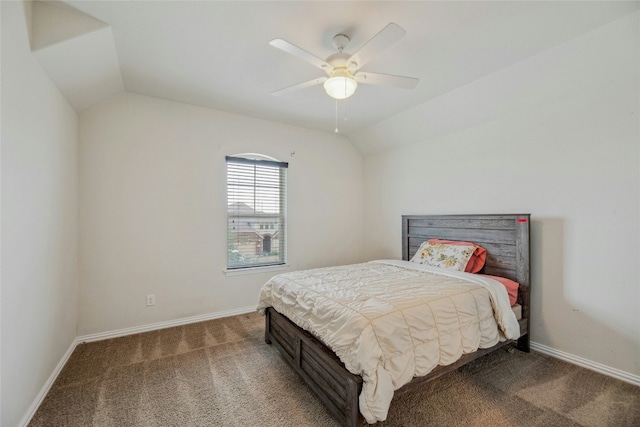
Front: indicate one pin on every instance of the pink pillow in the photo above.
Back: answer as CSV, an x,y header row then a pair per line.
x,y
512,287
476,262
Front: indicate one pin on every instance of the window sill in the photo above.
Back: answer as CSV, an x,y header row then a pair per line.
x,y
255,270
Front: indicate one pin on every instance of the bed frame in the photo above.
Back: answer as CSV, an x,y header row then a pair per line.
x,y
506,239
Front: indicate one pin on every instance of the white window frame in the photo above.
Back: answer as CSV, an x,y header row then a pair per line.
x,y
263,170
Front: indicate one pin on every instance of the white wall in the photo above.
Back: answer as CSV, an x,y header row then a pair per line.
x,y
153,208
560,141
39,205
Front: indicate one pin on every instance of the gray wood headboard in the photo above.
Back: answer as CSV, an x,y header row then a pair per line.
x,y
505,237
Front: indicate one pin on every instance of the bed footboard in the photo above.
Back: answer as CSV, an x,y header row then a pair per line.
x,y
318,367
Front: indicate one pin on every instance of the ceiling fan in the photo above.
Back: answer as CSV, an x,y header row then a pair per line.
x,y
342,69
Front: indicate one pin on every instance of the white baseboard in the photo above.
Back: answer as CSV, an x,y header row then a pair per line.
x,y
162,325
47,385
585,363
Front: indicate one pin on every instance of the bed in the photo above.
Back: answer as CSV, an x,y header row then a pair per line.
x,y
506,240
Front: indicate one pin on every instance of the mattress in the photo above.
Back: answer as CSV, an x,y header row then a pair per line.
x,y
517,310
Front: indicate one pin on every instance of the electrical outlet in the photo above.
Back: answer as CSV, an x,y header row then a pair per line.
x,y
151,300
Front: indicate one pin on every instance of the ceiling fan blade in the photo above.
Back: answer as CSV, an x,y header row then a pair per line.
x,y
386,80
385,38
299,86
300,53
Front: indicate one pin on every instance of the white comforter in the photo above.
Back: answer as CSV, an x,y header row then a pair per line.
x,y
390,321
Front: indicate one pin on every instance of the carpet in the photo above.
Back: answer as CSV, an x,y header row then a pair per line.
x,y
222,373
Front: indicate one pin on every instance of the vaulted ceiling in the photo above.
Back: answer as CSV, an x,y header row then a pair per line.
x,y
216,54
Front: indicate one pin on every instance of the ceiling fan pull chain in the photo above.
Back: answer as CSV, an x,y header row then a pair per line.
x,y
336,131
346,110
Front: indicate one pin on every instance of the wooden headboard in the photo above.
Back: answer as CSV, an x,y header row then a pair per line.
x,y
505,237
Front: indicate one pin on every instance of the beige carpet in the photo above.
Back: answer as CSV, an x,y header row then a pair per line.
x,y
221,373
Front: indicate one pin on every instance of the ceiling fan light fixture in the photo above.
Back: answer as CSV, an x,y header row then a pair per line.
x,y
340,87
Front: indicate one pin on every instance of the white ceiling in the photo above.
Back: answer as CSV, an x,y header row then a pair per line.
x,y
216,54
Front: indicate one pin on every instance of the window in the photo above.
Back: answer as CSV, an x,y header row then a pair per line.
x,y
256,211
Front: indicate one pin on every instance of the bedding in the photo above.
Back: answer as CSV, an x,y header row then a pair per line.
x,y
478,257
510,286
389,321
455,257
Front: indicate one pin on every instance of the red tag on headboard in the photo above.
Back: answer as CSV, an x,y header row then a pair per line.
x,y
522,219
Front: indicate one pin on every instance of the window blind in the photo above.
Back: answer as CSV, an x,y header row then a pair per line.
x,y
256,212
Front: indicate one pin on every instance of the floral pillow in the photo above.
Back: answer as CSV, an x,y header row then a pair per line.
x,y
477,260
453,257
